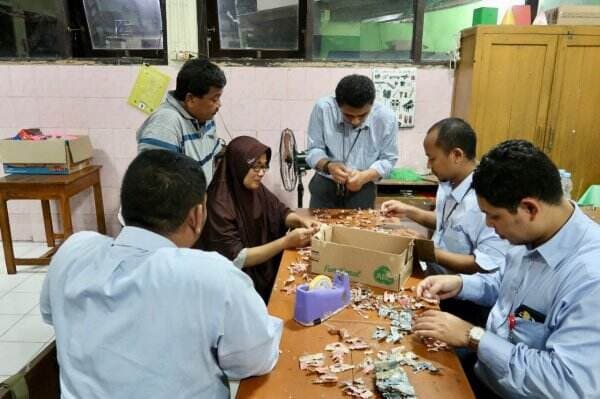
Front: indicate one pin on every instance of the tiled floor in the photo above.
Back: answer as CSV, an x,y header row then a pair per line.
x,y
23,334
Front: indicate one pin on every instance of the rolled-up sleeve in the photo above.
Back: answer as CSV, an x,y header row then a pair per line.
x,y
45,308
490,250
316,137
388,152
249,344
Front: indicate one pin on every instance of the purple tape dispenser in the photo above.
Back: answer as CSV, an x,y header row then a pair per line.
x,y
321,298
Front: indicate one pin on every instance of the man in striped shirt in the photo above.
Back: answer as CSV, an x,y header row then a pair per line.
x,y
183,122
352,142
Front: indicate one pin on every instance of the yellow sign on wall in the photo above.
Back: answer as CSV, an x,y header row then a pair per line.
x,y
149,89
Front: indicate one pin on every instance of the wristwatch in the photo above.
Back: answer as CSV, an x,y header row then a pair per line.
x,y
475,335
325,165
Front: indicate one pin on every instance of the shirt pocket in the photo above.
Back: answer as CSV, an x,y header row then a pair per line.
x,y
456,240
530,333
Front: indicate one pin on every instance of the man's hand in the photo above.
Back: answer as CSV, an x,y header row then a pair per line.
x,y
298,238
338,171
443,326
356,181
396,208
439,287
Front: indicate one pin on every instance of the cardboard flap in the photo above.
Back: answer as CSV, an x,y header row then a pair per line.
x,y
80,149
46,151
324,233
425,250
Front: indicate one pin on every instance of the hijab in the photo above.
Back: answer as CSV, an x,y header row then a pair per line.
x,y
239,217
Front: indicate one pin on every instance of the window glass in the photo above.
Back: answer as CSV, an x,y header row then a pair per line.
x,y
362,29
124,24
29,29
258,24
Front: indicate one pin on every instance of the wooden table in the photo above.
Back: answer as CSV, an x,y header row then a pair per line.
x,y
47,187
288,381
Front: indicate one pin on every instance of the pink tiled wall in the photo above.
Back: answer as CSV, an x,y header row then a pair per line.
x,y
91,100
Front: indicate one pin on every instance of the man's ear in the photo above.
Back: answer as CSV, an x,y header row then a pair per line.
x,y
195,218
457,155
531,206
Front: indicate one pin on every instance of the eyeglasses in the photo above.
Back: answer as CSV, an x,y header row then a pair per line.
x,y
258,168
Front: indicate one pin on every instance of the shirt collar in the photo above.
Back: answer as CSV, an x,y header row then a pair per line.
x,y
460,191
177,105
144,239
568,237
340,117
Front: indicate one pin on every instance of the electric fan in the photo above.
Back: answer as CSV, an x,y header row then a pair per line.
x,y
292,164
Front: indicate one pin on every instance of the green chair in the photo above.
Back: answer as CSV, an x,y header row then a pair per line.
x,y
591,197
39,379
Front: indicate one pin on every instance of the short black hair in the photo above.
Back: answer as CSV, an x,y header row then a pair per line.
x,y
159,189
197,76
455,133
516,169
355,91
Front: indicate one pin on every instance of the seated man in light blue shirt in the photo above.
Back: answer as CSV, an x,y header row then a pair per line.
x,y
145,316
463,242
542,338
352,142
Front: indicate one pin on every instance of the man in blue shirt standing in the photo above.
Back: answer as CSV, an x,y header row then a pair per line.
x,y
144,316
352,142
542,338
184,121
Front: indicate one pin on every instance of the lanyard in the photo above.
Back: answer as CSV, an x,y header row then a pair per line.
x,y
347,155
447,218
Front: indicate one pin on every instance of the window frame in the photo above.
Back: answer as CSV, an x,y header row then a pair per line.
x,y
74,25
213,39
209,40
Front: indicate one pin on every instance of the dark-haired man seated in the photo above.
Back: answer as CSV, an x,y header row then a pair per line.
x,y
351,144
183,122
144,316
542,338
463,242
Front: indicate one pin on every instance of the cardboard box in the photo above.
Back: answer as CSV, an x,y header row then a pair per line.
x,y
52,156
574,15
485,16
377,259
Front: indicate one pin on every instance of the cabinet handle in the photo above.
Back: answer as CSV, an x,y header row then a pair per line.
x,y
550,138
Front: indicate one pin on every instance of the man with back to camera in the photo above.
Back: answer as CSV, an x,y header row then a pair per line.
x,y
183,122
352,142
145,316
542,338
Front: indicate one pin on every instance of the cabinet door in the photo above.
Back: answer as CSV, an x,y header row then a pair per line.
x,y
573,137
513,88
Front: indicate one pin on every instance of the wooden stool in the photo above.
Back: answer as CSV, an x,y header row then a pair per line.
x,y
45,188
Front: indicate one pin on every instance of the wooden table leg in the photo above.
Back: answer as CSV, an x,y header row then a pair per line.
x,y
65,210
99,204
48,223
9,255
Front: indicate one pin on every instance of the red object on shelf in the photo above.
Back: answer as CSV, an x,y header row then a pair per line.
x,y
522,14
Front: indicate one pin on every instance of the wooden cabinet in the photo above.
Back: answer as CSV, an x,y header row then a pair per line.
x,y
539,83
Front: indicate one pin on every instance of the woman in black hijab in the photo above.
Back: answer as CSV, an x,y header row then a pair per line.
x,y
246,222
